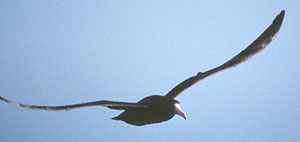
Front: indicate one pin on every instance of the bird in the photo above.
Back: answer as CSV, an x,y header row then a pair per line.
x,y
159,108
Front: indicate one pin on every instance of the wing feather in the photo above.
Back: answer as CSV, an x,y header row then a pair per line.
x,y
259,44
109,104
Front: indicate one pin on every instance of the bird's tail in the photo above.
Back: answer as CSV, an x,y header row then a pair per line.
x,y
116,118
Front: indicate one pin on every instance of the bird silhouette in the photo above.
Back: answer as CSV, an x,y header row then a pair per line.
x,y
156,108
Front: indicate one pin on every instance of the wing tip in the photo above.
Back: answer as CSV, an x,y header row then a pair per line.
x,y
279,18
5,100
277,22
282,12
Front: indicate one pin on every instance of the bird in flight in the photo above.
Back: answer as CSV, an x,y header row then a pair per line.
x,y
156,108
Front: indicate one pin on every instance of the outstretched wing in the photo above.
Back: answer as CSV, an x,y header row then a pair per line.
x,y
109,104
259,44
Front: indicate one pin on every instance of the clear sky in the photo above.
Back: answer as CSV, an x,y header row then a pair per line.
x,y
57,53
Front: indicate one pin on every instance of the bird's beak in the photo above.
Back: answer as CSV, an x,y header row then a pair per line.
x,y
179,111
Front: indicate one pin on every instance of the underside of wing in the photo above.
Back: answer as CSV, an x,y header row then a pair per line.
x,y
259,44
109,104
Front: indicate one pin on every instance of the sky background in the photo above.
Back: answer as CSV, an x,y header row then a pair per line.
x,y
57,53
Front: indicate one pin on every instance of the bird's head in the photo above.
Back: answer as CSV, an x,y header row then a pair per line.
x,y
178,110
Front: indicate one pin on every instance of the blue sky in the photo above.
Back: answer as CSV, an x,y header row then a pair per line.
x,y
56,53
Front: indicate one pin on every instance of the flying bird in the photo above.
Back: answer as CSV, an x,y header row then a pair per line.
x,y
156,108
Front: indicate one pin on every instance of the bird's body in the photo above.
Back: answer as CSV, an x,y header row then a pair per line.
x,y
160,109
155,109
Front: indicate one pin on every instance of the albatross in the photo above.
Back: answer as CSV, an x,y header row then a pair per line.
x,y
157,108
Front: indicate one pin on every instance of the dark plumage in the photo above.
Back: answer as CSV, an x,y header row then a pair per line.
x,y
160,108
155,109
